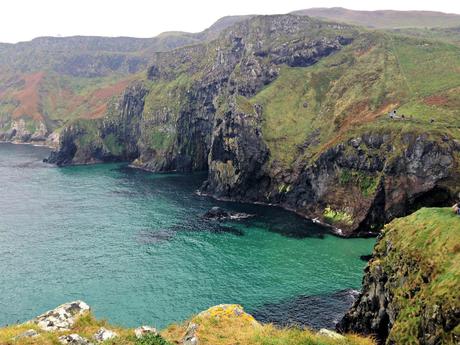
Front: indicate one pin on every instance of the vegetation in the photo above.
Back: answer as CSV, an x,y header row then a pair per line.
x,y
220,326
424,264
337,217
216,326
351,92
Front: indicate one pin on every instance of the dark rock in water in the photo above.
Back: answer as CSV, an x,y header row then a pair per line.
x,y
366,257
216,213
318,311
154,236
220,214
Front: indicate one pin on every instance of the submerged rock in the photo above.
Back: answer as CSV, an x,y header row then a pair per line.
x,y
104,334
73,339
218,213
62,317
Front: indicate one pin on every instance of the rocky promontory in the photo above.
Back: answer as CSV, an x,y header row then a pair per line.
x,y
410,286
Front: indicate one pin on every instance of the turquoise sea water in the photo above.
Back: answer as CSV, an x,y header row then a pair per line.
x,y
135,247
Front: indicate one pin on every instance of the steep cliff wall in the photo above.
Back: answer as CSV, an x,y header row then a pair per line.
x,y
410,287
292,111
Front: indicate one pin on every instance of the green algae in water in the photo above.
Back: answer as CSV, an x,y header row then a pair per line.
x,y
135,246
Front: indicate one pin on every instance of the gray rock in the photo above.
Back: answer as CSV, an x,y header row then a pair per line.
x,y
62,317
30,333
104,334
190,337
73,339
331,334
144,330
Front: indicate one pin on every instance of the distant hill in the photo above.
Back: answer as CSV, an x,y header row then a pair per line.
x,y
52,79
385,19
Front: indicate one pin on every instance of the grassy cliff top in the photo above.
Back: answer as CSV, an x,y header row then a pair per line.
x,y
423,252
219,325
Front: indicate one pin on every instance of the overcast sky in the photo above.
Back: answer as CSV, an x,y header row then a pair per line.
x,y
22,20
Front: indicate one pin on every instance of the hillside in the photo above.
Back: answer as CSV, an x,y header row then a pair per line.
x,y
73,324
293,111
49,80
385,19
410,288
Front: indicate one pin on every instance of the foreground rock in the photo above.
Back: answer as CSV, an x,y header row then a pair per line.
x,y
331,334
104,334
218,213
144,330
63,317
410,288
73,339
30,333
191,337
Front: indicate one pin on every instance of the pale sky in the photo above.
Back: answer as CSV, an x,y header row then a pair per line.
x,y
22,20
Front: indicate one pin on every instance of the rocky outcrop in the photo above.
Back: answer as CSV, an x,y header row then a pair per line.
x,y
145,330
406,294
218,213
104,334
62,317
73,339
113,138
18,132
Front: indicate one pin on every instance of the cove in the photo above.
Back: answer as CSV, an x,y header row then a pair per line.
x,y
134,245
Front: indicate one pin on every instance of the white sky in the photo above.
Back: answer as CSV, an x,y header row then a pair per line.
x,y
22,20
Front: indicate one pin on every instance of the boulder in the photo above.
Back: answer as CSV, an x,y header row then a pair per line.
x,y
63,317
331,334
104,334
144,330
190,337
73,339
30,333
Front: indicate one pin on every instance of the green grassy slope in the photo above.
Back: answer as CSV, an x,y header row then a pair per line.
x,y
52,80
353,90
429,238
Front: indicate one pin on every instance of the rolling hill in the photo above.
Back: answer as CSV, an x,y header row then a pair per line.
x,y
384,19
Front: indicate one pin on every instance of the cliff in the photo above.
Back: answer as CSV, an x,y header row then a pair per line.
x,y
410,287
293,111
73,324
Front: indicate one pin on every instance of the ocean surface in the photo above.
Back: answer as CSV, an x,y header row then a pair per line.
x,y
135,246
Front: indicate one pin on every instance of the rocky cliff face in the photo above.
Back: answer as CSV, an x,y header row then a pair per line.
x,y
409,292
198,110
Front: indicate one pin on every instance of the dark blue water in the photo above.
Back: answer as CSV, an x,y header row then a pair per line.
x,y
134,245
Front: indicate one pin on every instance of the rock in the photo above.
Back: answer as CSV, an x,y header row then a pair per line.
x,y
218,213
62,317
222,311
143,330
73,339
30,333
104,334
331,334
190,337
365,257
